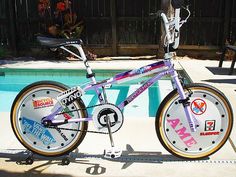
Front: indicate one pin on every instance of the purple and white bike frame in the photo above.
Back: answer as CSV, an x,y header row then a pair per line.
x,y
158,69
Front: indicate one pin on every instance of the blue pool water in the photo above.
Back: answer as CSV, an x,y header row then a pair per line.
x,y
13,80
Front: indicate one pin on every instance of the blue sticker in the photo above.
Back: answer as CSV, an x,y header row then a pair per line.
x,y
38,131
139,71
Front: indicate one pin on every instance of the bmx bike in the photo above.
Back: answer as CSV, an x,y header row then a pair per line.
x,y
192,122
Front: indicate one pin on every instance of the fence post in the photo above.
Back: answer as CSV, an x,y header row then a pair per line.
x,y
12,26
227,17
113,27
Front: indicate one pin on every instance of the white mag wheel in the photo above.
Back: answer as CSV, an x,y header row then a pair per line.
x,y
213,113
37,101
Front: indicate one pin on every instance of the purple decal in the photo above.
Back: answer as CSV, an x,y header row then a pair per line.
x,y
141,70
138,92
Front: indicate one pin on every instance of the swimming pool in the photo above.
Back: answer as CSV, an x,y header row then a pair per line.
x,y
13,80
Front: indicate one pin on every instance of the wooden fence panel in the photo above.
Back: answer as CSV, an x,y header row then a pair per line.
x,y
205,24
97,18
3,25
135,25
27,22
232,33
211,23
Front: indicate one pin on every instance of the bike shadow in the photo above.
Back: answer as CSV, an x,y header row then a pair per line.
x,y
20,156
129,157
5,173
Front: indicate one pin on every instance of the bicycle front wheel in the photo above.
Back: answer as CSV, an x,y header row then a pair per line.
x,y
37,101
213,113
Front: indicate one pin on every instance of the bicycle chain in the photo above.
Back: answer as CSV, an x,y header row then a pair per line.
x,y
78,109
77,130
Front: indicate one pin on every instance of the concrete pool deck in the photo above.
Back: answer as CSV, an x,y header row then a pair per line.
x,y
143,155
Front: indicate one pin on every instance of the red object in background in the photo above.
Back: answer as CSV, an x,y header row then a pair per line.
x,y
41,7
61,6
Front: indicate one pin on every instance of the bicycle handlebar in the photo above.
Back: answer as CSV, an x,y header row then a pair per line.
x,y
172,27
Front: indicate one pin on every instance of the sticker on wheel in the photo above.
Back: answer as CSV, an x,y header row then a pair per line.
x,y
38,131
198,106
210,125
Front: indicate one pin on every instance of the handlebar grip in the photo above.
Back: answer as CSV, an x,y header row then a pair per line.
x,y
159,12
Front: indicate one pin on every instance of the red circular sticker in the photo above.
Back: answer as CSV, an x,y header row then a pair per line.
x,y
198,106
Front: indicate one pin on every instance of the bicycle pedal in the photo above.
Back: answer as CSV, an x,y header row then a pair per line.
x,y
112,153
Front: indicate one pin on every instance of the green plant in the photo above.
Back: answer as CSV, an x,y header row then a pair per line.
x,y
59,20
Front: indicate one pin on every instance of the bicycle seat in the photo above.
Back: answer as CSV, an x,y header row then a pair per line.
x,y
57,42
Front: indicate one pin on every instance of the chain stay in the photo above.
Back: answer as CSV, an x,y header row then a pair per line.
x,y
77,130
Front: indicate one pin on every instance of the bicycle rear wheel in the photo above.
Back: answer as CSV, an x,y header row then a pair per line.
x,y
212,111
37,101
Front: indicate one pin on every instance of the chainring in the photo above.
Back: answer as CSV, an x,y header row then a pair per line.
x,y
104,111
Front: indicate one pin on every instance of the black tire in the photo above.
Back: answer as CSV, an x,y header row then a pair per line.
x,y
36,143
65,161
29,161
171,139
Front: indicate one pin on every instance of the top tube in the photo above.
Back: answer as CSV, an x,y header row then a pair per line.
x,y
132,74
141,72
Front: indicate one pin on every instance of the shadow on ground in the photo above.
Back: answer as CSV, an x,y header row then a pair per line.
x,y
20,156
4,173
129,156
220,71
222,81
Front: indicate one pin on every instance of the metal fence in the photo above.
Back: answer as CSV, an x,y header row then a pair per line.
x,y
117,24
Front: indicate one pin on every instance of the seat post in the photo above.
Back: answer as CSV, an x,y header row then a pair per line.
x,y
90,73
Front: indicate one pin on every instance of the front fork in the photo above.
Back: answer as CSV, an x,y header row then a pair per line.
x,y
184,100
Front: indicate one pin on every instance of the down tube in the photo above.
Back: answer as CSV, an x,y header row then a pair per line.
x,y
141,89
